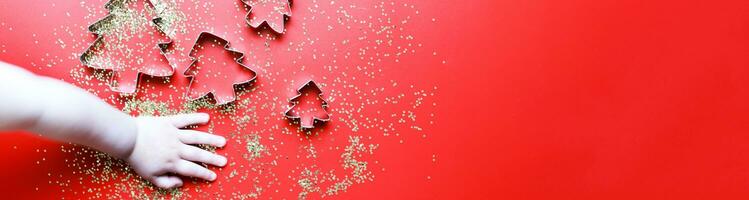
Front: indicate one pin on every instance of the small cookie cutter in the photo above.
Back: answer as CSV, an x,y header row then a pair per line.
x,y
295,102
278,25
189,72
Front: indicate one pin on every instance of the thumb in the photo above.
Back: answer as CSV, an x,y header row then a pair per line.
x,y
167,182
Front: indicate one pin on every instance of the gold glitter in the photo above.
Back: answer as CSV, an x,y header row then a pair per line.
x,y
254,148
354,68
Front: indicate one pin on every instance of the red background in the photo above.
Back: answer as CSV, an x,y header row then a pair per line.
x,y
537,100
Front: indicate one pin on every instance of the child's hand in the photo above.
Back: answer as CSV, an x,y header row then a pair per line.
x,y
154,146
162,150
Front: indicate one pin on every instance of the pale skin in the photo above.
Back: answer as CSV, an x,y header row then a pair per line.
x,y
156,147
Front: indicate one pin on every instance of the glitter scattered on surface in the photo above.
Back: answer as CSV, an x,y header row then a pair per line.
x,y
372,108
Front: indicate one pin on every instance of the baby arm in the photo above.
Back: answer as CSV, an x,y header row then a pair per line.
x,y
155,147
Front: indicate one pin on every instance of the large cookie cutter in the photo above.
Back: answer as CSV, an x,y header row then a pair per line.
x,y
130,86
294,101
189,71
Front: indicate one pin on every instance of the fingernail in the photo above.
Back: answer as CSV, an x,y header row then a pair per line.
x,y
223,161
213,176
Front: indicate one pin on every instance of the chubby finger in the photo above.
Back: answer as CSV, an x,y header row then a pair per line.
x,y
182,120
193,153
199,137
167,182
191,169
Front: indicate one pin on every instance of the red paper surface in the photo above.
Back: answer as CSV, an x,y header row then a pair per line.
x,y
531,99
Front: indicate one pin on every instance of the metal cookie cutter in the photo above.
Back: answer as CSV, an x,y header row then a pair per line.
x,y
271,12
118,57
222,80
305,121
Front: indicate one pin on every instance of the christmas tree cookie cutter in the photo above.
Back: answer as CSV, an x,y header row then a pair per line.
x,y
221,97
125,77
274,17
307,124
